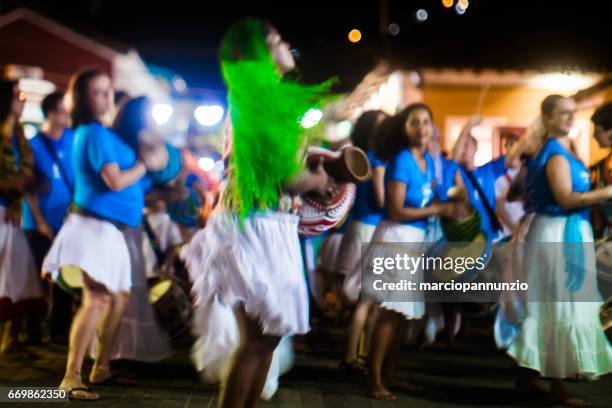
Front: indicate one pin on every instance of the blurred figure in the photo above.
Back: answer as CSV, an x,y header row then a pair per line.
x,y
366,213
45,209
601,172
108,197
21,294
509,213
561,335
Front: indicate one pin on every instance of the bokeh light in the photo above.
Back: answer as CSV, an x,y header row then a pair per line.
x,y
354,35
422,15
447,3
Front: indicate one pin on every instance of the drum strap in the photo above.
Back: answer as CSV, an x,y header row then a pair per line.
x,y
487,205
53,154
159,254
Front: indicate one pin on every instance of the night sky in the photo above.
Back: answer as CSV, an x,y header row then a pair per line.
x,y
492,33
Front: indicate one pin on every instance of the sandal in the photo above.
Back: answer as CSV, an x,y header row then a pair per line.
x,y
92,395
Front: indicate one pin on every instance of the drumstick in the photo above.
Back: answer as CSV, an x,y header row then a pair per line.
x,y
481,98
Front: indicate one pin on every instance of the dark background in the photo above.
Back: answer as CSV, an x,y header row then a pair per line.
x,y
183,36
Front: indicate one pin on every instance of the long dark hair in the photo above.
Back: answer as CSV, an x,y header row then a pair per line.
x,y
6,98
81,111
131,119
363,131
391,136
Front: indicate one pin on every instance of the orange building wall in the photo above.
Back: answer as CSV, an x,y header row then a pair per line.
x,y
513,103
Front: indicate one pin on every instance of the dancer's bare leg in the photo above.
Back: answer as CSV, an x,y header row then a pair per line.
x,y
95,300
381,341
390,371
360,318
108,328
561,395
250,365
369,329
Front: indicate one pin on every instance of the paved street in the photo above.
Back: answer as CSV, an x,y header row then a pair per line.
x,y
477,376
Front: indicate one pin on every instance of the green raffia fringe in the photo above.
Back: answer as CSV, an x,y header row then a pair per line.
x,y
265,111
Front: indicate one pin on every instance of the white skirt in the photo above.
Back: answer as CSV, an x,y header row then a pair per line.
x,y
97,247
411,239
563,338
217,337
139,335
257,264
348,263
19,278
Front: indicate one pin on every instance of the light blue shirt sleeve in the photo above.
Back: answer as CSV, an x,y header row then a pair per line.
x,y
399,168
99,149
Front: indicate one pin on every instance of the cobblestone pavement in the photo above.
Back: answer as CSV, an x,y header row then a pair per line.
x,y
477,376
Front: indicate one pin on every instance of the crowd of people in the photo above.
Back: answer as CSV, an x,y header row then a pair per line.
x,y
97,204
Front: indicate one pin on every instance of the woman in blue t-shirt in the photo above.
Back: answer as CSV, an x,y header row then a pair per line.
x,y
366,213
107,196
409,186
561,335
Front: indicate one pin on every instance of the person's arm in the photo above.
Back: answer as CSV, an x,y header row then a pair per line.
x,y
378,184
559,176
117,180
398,212
43,226
459,147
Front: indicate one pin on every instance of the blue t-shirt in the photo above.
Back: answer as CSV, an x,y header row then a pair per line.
x,y
365,209
539,193
53,203
419,185
95,146
486,175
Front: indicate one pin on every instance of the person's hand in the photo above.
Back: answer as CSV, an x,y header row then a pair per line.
x,y
45,229
327,187
12,217
453,210
154,157
474,121
608,192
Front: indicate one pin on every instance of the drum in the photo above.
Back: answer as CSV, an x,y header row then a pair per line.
x,y
173,308
70,279
348,166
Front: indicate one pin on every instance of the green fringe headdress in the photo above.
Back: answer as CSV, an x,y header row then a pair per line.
x,y
265,111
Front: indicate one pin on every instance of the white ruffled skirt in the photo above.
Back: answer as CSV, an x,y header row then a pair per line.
x,y
19,278
563,338
217,338
97,247
411,242
256,263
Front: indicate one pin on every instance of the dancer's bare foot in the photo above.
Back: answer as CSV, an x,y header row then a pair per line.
x,y
100,374
77,390
380,393
560,395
